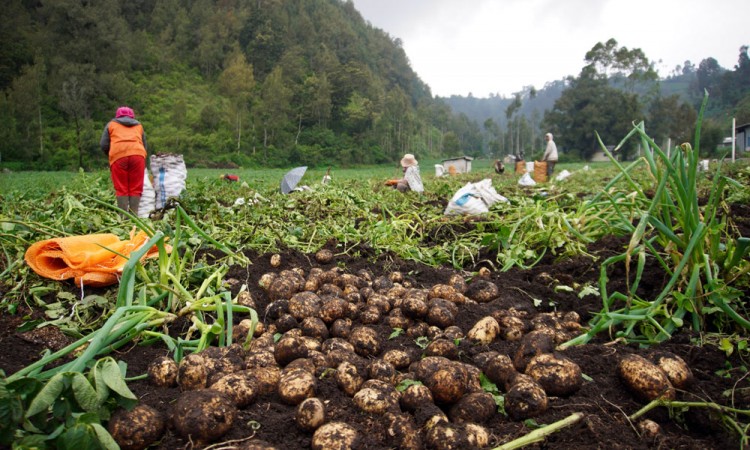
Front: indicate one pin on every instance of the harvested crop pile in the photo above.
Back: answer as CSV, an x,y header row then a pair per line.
x,y
355,354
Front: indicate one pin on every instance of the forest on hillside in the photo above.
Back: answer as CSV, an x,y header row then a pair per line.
x,y
224,82
277,83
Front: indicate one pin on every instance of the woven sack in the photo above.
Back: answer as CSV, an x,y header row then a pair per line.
x,y
540,171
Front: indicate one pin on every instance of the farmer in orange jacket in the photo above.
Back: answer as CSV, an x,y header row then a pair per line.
x,y
124,141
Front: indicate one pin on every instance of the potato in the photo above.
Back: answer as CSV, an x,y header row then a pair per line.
x,y
277,308
296,385
365,341
524,400
500,370
324,256
203,416
288,349
335,436
241,387
382,370
382,284
281,288
333,309
260,359
649,429
444,291
458,283
305,364
442,347
482,291
268,379
644,379
266,279
396,319
304,304
403,432
138,428
315,328
440,316
375,401
446,436
255,444
428,365
532,344
447,384
340,328
676,369
558,375
162,372
348,378
399,359
414,307
310,414
485,331
414,396
476,407
370,315
192,372
330,289
477,435
512,328
275,260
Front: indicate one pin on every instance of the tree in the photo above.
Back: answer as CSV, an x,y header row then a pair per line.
x,y
76,92
607,60
670,118
237,83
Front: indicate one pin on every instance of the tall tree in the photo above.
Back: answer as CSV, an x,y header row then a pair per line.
x,y
237,83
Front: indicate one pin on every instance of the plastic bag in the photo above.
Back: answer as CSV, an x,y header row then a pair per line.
x,y
474,199
526,180
563,175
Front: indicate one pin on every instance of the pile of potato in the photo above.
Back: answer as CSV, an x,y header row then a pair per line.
x,y
325,323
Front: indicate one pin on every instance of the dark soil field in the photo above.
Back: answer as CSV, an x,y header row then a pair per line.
x,y
603,400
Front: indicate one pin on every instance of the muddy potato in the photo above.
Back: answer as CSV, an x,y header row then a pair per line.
x,y
403,432
255,444
310,414
266,279
476,407
558,375
649,429
396,319
444,291
330,289
485,331
203,416
382,284
447,384
324,256
365,341
275,260
399,359
268,379
477,435
525,399
281,288
374,401
348,378
341,328
442,347
417,329
277,308
482,291
481,359
262,358
241,387
512,328
296,385
414,307
428,365
676,369
288,349
335,436
138,428
162,372
369,315
440,316
315,328
644,379
381,370
414,396
532,344
458,283
305,364
312,283
446,436
304,304
193,371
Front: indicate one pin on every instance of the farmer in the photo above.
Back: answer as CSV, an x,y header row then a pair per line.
x,y
124,142
411,180
550,154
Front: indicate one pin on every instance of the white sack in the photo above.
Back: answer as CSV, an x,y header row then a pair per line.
x,y
474,199
562,175
170,174
148,197
526,180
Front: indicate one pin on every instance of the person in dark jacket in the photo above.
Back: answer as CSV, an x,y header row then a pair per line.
x,y
124,142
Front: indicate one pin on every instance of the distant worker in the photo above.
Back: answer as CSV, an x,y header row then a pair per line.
x,y
124,142
411,180
550,154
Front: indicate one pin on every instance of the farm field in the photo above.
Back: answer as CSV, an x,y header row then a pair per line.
x,y
413,329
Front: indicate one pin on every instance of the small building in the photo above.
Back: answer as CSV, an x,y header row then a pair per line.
x,y
461,164
742,136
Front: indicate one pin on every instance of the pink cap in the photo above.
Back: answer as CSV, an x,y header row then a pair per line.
x,y
124,111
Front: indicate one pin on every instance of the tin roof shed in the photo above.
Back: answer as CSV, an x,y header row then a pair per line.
x,y
461,164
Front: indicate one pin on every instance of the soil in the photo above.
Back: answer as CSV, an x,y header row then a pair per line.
x,y
603,399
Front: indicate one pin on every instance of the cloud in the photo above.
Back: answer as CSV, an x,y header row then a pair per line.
x,y
489,46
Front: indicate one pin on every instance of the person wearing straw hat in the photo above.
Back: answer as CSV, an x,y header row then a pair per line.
x,y
550,154
411,180
124,142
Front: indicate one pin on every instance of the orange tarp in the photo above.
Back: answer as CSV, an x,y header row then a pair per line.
x,y
93,260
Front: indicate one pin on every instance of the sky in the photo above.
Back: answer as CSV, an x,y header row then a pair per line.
x,y
488,47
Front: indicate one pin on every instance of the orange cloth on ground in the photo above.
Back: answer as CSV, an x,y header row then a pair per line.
x,y
89,259
391,182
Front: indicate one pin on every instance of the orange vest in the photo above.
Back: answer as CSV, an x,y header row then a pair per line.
x,y
125,141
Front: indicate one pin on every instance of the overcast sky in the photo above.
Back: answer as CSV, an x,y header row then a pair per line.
x,y
488,47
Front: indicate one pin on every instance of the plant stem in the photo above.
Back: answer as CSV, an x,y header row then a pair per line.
x,y
541,433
